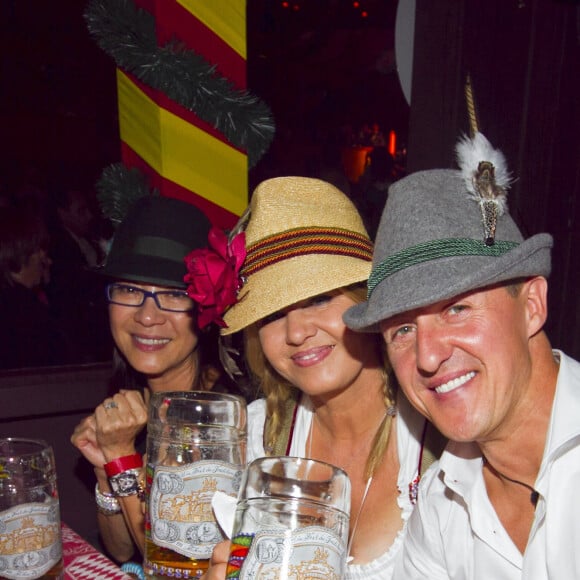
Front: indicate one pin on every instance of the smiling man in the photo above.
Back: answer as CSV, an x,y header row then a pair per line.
x,y
461,301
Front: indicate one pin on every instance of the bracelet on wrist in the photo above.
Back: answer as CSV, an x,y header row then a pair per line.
x,y
127,483
107,503
124,463
134,570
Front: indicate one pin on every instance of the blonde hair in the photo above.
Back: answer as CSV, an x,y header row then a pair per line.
x,y
278,391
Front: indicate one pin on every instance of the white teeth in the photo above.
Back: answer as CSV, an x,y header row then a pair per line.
x,y
451,385
311,355
151,341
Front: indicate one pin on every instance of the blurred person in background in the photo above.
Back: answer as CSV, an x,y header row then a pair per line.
x,y
76,292
29,334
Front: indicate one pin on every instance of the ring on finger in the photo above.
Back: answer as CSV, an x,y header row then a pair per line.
x,y
110,405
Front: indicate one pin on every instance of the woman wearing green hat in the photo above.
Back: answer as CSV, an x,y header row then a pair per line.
x,y
161,335
326,391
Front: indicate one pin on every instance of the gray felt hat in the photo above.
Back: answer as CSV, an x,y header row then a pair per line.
x,y
431,246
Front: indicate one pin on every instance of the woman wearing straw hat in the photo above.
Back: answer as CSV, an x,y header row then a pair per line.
x,y
326,392
161,336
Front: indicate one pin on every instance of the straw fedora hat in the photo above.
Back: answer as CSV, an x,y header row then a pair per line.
x,y
304,237
150,244
434,243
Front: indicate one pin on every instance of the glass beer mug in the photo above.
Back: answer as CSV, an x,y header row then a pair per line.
x,y
30,536
196,445
291,521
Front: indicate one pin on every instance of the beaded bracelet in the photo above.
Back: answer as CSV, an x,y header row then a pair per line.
x,y
123,464
107,503
133,569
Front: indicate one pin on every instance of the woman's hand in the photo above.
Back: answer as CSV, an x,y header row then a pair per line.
x,y
84,438
111,430
218,562
118,422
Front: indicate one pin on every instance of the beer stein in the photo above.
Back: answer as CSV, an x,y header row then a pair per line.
x,y
196,445
291,521
30,537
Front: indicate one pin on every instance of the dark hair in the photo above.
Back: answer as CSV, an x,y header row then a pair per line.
x,y
22,233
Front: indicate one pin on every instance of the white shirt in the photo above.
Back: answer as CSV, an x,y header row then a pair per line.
x,y
455,533
409,429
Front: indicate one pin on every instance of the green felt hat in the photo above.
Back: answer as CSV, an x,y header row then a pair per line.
x,y
152,241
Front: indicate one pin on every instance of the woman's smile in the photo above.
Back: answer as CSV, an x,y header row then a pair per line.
x,y
312,356
150,343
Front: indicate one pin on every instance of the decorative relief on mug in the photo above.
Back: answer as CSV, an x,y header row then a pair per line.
x,y
29,540
312,552
180,505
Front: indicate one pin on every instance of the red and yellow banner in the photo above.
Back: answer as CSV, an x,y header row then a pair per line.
x,y
182,155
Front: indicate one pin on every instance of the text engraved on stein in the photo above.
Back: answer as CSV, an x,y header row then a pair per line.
x,y
181,516
29,540
312,552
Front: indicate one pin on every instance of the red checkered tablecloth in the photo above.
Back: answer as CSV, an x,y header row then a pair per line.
x,y
83,562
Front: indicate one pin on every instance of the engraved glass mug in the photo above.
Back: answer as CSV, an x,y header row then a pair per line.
x,y
30,537
291,521
196,445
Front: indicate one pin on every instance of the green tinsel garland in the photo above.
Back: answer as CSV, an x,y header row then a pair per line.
x,y
118,188
127,34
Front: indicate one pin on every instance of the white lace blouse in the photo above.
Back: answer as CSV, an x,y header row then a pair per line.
x,y
409,430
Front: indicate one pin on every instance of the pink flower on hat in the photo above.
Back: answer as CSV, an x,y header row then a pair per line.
x,y
214,276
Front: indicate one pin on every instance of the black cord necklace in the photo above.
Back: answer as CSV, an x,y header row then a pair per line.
x,y
534,495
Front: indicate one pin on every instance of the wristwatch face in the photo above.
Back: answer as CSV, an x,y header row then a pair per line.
x,y
126,483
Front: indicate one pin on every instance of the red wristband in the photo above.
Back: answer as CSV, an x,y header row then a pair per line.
x,y
123,464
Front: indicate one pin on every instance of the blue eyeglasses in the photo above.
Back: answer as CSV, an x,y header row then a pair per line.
x,y
170,300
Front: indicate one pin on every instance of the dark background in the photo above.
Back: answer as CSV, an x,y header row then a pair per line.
x,y
324,69
57,96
